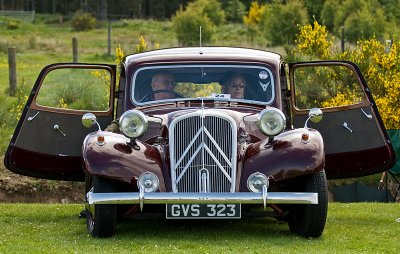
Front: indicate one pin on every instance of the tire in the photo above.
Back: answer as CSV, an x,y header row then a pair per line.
x,y
309,220
102,222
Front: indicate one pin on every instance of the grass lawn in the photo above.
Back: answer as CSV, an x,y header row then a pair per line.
x,y
45,228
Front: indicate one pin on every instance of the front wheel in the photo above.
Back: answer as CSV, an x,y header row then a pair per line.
x,y
309,220
102,219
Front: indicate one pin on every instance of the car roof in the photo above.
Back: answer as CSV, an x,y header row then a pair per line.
x,y
202,53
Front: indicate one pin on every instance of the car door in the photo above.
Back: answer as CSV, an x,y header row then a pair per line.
x,y
356,142
47,141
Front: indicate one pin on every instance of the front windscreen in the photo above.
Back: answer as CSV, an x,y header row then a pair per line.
x,y
219,82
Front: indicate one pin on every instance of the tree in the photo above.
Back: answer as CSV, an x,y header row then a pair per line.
x,y
205,13
280,21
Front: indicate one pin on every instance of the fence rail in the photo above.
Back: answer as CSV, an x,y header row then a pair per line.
x,y
28,16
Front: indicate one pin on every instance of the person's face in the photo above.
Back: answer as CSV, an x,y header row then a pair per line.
x,y
163,82
236,88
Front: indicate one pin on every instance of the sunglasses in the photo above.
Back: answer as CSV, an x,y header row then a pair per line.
x,y
237,85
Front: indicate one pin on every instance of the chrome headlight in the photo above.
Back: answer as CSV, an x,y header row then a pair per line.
x,y
256,181
133,123
271,121
149,181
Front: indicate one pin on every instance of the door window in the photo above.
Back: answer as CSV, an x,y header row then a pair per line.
x,y
76,89
326,86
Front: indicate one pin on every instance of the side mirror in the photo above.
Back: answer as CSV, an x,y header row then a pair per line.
x,y
315,115
89,119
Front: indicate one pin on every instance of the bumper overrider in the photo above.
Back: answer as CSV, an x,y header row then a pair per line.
x,y
262,198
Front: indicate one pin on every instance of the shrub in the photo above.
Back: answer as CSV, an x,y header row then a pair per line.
x,y
12,24
365,24
234,10
380,68
328,14
313,41
83,21
280,21
186,25
253,19
210,8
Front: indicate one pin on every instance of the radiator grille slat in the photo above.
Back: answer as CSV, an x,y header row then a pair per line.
x,y
203,153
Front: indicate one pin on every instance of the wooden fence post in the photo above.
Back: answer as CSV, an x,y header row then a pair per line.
x,y
109,39
74,50
12,65
342,39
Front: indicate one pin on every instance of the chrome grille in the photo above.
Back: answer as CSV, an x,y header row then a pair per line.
x,y
203,152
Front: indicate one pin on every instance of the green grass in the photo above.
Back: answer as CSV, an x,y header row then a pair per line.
x,y
44,228
47,42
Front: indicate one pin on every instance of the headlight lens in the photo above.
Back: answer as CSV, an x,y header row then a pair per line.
x,y
271,121
256,181
133,123
149,181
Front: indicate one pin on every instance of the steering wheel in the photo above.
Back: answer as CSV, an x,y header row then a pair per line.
x,y
151,93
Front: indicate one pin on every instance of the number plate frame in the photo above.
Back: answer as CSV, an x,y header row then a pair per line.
x,y
203,211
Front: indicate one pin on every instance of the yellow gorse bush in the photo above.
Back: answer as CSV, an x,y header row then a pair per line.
x,y
381,69
313,40
253,17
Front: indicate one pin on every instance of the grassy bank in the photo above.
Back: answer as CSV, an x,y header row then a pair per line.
x,y
351,228
47,42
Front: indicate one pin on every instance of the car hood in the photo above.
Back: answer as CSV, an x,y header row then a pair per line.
x,y
246,120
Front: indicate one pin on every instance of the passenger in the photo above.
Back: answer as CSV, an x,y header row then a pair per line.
x,y
234,85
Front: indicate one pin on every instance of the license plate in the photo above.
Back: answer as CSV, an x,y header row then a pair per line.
x,y
203,211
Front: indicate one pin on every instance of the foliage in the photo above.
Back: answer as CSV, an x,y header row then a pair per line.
x,y
328,14
12,24
382,72
234,10
253,18
312,40
380,68
369,23
314,9
209,8
280,21
187,23
82,21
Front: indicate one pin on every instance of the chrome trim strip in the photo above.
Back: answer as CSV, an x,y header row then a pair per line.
x,y
203,198
239,68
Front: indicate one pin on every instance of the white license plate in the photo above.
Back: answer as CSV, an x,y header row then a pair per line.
x,y
203,211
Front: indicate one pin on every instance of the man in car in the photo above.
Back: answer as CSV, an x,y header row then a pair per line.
x,y
161,83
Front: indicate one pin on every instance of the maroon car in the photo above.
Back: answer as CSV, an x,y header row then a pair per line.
x,y
201,133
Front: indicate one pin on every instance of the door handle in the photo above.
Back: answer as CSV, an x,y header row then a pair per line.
x,y
369,116
345,125
57,128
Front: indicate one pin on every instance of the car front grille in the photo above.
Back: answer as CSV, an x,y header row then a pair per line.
x,y
203,152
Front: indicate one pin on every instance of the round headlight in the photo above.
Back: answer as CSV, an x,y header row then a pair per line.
x,y
271,121
149,181
256,181
133,123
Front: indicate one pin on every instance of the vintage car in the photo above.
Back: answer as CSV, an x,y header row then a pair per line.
x,y
197,151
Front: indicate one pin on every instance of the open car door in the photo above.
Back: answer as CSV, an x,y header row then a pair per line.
x,y
355,139
47,141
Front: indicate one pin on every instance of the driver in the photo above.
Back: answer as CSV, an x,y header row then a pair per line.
x,y
163,81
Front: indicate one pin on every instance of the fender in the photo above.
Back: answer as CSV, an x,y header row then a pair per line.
x,y
285,157
117,159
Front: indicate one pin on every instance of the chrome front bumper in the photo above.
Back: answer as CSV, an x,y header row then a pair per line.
x,y
262,198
